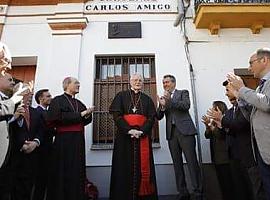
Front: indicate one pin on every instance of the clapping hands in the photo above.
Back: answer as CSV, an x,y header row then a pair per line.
x,y
22,91
86,113
163,100
216,115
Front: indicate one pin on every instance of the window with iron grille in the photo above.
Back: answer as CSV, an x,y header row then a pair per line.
x,y
112,76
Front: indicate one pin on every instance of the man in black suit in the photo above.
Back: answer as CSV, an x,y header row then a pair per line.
x,y
180,133
43,99
26,129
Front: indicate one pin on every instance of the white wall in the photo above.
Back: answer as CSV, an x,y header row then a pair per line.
x,y
159,38
31,36
212,57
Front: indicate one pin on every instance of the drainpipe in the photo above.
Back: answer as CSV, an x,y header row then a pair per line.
x,y
181,5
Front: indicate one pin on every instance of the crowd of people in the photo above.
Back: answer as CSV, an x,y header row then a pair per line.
x,y
43,148
44,153
239,136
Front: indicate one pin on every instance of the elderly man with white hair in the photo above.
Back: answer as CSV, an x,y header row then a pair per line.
x,y
133,171
68,116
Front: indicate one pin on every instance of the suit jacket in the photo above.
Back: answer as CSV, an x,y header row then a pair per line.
x,y
6,107
6,110
238,137
20,134
47,132
260,117
177,111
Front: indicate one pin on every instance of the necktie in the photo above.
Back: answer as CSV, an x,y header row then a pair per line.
x,y
4,98
261,83
173,116
27,117
234,111
171,94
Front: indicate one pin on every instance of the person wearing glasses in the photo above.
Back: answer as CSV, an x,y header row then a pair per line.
x,y
259,100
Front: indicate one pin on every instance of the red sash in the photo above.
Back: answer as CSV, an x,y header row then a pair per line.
x,y
70,128
146,187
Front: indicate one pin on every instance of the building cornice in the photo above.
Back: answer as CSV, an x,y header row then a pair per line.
x,y
67,25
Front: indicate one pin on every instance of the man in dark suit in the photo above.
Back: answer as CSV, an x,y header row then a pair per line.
x,y
43,99
26,129
180,133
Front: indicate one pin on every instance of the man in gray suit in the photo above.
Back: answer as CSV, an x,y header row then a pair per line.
x,y
259,99
7,107
180,133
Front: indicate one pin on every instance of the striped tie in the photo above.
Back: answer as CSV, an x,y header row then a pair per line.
x,y
261,83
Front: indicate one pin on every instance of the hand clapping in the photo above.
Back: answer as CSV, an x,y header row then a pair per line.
x,y
86,113
216,115
235,83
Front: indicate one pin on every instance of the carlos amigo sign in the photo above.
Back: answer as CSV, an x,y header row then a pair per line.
x,y
131,6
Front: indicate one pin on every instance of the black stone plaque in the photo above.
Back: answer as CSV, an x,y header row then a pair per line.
x,y
124,30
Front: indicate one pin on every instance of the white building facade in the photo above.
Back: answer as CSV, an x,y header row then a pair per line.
x,y
67,38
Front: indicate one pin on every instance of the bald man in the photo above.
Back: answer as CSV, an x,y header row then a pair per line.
x,y
68,116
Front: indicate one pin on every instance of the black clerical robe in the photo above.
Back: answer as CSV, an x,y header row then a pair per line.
x,y
127,168
67,176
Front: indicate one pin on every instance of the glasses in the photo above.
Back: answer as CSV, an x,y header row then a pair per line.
x,y
252,61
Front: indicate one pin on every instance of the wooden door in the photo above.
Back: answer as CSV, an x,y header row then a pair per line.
x,y
23,73
250,81
247,77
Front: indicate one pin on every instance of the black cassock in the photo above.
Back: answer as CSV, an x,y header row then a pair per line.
x,y
126,166
67,173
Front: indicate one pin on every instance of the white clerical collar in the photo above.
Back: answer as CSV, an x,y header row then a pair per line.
x,y
3,95
134,90
70,95
42,107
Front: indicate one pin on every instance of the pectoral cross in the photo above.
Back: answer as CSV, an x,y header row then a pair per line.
x,y
134,109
